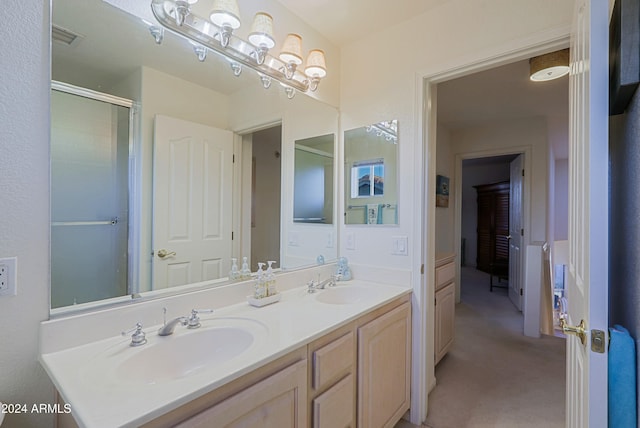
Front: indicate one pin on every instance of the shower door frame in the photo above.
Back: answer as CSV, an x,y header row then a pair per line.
x,y
134,200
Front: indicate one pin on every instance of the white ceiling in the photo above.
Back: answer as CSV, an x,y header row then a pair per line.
x,y
505,93
344,21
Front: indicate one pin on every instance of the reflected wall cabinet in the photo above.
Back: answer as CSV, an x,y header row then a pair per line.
x,y
493,225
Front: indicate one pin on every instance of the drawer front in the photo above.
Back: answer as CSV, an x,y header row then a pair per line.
x,y
332,361
445,274
335,407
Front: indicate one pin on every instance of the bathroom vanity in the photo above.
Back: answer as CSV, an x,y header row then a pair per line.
x,y
337,357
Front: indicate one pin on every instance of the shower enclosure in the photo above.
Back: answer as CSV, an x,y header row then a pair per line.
x,y
90,227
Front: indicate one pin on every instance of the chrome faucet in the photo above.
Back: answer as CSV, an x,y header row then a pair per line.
x,y
329,282
168,327
193,321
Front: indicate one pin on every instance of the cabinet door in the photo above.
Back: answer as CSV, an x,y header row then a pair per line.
x,y
279,401
384,368
445,320
334,407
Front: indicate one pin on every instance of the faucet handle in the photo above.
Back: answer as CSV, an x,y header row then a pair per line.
x,y
138,337
194,319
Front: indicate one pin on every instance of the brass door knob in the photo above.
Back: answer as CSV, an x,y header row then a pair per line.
x,y
580,330
164,253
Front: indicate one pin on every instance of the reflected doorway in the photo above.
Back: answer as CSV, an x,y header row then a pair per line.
x,y
262,157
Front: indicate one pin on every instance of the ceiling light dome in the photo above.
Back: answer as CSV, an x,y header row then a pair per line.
x,y
549,66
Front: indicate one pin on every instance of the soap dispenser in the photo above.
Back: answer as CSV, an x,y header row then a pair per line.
x,y
270,279
245,273
260,289
234,273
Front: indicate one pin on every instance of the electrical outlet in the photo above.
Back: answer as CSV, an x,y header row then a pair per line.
x,y
8,273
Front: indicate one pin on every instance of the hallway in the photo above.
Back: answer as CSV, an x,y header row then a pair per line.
x,y
494,376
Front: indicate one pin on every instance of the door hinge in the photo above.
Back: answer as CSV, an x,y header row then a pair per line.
x,y
232,236
523,172
521,291
233,158
422,269
521,232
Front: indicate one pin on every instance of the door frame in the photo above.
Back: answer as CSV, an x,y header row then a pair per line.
x,y
426,82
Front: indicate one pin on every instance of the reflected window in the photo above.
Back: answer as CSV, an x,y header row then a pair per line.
x,y
367,178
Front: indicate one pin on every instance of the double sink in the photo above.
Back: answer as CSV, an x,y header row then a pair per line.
x,y
99,378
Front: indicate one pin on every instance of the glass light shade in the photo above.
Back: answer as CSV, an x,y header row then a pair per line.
x,y
262,31
225,13
292,49
549,66
316,66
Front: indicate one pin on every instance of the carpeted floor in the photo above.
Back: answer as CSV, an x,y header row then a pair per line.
x,y
494,376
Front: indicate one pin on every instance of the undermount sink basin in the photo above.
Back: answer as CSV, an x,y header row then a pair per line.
x,y
186,353
343,294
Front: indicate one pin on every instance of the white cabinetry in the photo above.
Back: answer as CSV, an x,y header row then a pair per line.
x,y
445,305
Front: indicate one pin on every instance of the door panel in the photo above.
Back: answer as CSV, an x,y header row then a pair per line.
x,y
588,212
192,202
515,231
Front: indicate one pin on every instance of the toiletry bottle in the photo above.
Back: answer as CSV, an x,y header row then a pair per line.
x,y
259,285
234,273
270,280
245,273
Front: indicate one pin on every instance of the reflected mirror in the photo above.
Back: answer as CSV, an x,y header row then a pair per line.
x,y
313,180
371,174
152,146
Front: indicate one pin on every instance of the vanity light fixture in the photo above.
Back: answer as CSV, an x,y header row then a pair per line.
x,y
216,34
181,9
549,66
226,15
316,68
291,54
386,129
261,36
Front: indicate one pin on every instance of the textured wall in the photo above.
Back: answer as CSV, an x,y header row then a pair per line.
x,y
24,206
624,218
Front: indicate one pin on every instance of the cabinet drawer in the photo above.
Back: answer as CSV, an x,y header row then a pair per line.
x,y
335,407
332,361
445,274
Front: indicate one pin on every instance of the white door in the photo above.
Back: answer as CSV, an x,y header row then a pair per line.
x,y
515,232
588,216
192,202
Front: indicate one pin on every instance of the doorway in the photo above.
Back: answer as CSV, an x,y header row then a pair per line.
x,y
261,188
483,124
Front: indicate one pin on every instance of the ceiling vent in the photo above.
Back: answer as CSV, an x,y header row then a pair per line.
x,y
62,35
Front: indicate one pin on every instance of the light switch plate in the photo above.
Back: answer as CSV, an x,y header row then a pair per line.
x,y
400,245
351,241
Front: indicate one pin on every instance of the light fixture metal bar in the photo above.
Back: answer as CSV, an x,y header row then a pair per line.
x,y
203,31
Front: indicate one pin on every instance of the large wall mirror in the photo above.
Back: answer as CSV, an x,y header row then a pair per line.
x,y
371,174
152,147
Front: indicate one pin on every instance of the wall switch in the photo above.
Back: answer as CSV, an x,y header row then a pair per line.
x,y
294,240
400,245
8,274
351,241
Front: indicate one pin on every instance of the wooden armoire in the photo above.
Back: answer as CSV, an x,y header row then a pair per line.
x,y
493,225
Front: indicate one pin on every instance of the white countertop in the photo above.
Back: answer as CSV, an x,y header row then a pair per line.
x,y
86,376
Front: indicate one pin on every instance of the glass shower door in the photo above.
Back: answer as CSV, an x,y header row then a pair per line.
x,y
89,199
